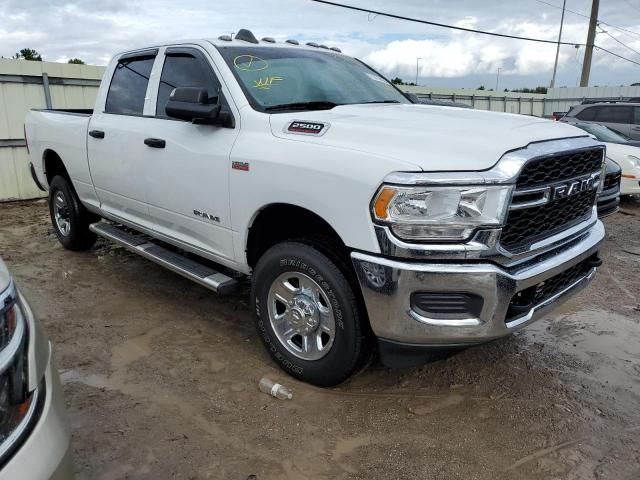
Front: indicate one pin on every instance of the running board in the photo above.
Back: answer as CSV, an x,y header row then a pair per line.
x,y
188,268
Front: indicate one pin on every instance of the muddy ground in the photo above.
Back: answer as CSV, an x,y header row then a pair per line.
x,y
161,376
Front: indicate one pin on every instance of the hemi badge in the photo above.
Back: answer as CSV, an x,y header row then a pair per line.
x,y
244,166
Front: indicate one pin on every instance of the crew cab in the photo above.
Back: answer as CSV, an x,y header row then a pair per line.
x,y
365,223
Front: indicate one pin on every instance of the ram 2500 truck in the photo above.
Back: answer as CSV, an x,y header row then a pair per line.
x,y
366,223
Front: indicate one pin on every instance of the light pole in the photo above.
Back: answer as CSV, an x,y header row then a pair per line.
x,y
417,63
555,65
498,78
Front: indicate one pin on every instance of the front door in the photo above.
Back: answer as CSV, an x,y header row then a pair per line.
x,y
188,176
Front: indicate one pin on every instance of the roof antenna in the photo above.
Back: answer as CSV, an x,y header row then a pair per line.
x,y
246,35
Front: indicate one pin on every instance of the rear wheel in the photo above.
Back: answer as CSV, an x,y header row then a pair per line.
x,y
69,218
307,314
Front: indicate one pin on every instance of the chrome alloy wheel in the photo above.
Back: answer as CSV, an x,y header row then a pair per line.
x,y
301,316
61,213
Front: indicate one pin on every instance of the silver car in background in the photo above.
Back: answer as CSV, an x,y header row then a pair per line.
x,y
34,437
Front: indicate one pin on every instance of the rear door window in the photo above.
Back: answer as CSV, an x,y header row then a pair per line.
x,y
129,86
588,114
614,114
185,69
636,115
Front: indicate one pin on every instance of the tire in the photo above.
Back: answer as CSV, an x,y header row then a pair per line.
x,y
69,218
321,293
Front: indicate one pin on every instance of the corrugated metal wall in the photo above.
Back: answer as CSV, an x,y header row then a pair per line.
x,y
562,99
510,102
22,88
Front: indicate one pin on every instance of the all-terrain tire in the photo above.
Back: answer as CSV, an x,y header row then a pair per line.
x,y
350,346
70,219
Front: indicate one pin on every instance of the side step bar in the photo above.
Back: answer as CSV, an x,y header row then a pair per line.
x,y
144,246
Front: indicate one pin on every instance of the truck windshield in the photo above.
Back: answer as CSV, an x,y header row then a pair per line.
x,y
289,79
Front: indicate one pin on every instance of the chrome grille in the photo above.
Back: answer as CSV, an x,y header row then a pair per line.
x,y
535,213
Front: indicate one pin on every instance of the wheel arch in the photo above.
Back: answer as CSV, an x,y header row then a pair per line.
x,y
53,165
277,222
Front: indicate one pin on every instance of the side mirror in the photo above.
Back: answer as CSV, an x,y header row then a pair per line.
x,y
192,104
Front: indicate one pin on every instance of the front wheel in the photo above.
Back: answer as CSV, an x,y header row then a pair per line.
x,y
69,218
307,314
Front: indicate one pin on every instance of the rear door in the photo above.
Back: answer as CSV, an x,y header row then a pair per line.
x,y
634,133
188,178
616,117
115,143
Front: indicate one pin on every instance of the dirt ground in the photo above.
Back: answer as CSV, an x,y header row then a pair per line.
x,y
160,378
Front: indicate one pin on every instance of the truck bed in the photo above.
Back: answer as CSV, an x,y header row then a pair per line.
x,y
84,112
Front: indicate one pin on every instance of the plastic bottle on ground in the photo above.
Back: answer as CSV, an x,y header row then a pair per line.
x,y
274,389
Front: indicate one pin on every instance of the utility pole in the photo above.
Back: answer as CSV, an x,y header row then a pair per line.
x,y
417,61
498,78
591,38
555,65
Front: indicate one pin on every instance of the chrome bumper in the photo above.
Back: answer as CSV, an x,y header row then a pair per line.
x,y
387,286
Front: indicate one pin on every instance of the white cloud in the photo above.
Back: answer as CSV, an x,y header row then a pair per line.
x,y
93,31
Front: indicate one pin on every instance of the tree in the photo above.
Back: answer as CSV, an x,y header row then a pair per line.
x,y
531,90
635,84
397,81
28,54
76,61
481,87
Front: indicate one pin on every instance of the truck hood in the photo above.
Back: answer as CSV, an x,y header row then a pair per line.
x,y
433,138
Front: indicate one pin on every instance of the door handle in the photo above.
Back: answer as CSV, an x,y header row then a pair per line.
x,y
636,128
155,142
96,133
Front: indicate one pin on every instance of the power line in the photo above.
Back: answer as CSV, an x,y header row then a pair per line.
x,y
443,25
602,22
616,55
631,5
426,22
560,8
615,39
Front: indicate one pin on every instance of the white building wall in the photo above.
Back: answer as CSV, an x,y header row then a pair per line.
x,y
18,94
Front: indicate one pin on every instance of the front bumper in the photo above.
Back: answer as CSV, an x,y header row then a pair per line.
x,y
387,286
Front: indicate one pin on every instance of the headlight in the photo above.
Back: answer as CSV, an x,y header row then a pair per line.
x,y
440,213
634,160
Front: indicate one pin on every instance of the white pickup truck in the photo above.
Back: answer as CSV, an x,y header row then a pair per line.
x,y
366,223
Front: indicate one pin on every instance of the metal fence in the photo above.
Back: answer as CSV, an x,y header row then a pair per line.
x,y
25,85
510,102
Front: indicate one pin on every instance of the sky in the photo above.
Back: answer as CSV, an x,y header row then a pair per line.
x,y
95,30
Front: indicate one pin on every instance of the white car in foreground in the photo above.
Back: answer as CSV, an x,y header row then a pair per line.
x,y
34,438
621,150
628,157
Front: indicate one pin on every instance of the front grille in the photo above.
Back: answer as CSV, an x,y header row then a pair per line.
x,y
556,168
523,301
531,224
525,226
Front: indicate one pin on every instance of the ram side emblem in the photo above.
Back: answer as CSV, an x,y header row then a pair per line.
x,y
207,216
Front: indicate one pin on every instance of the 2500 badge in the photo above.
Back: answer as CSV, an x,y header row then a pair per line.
x,y
307,128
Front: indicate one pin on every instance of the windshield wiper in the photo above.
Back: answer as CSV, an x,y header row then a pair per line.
x,y
382,101
314,105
